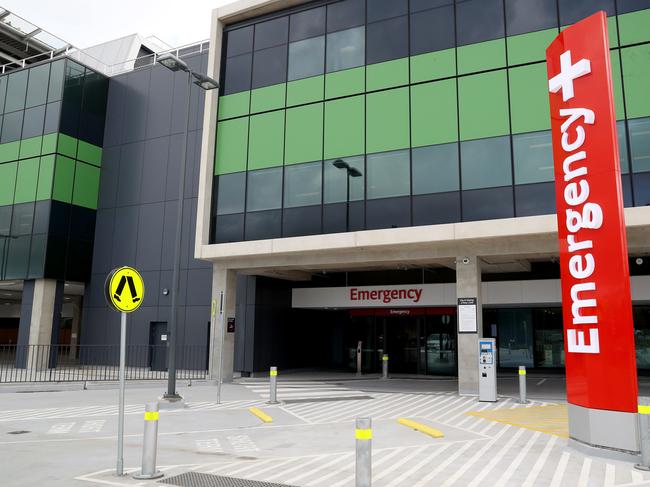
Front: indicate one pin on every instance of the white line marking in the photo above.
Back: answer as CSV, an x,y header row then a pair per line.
x,y
540,382
60,428
541,461
336,460
583,480
426,461
92,426
300,465
498,455
559,471
505,477
213,445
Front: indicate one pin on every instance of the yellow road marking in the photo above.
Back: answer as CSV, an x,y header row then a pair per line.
x,y
552,419
422,428
644,409
263,416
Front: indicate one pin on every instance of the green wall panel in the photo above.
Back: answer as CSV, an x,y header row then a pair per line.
x,y
63,179
86,186
266,145
634,27
9,151
45,178
304,137
529,105
483,101
618,84
7,182
307,90
89,153
433,65
387,120
482,56
26,180
612,31
530,47
49,143
344,127
30,147
387,75
268,98
232,146
636,77
434,118
67,145
345,83
234,105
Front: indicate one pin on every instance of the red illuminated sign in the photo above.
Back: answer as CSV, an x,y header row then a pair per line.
x,y
596,302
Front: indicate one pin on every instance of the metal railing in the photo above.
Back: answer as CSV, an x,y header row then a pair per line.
x,y
88,363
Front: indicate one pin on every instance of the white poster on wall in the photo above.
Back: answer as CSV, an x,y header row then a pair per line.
x,y
467,322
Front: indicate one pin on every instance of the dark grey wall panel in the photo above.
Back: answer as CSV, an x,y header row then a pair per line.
x,y
154,170
159,108
102,252
130,174
150,232
199,287
115,111
109,176
125,235
135,105
174,166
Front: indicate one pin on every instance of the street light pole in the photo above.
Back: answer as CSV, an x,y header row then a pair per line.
x,y
349,172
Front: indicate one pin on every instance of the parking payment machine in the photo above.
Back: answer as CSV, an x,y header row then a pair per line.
x,y
487,372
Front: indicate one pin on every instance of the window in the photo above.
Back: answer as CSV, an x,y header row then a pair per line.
x,y
16,91
270,66
479,20
302,184
388,174
56,81
239,41
264,189
11,127
433,30
231,190
336,181
386,9
52,115
640,143
485,163
624,6
419,5
387,40
572,11
309,23
533,155
530,15
346,14
271,33
435,169
487,204
3,92
622,146
21,223
346,49
238,74
37,85
33,123
306,58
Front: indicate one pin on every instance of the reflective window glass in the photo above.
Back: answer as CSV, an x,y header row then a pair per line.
x,y
12,126
346,14
419,5
640,143
530,15
56,81
238,74
270,66
479,20
5,220
33,122
533,155
16,90
388,213
433,30
263,224
572,11
337,179
487,204
21,223
388,174
239,41
18,258
306,58
435,169
387,40
433,209
485,163
346,49
231,191
385,9
3,92
229,228
264,189
625,6
271,33
304,220
37,85
622,146
309,23
535,199
52,114
302,184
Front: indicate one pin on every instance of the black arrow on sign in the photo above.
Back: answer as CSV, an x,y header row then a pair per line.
x,y
120,288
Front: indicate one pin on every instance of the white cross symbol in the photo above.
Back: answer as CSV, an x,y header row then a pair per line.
x,y
568,72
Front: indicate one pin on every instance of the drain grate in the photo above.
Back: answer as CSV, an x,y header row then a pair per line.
x,y
327,399
196,479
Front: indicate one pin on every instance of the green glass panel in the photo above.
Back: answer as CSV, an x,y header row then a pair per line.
x,y
483,102
307,90
49,143
387,120
63,178
529,104
268,98
634,27
86,186
612,30
530,47
387,75
266,145
618,84
304,137
636,76
89,153
45,178
9,151
30,147
345,83
344,127
231,146
234,105
67,146
7,182
434,115
482,56
433,65
26,181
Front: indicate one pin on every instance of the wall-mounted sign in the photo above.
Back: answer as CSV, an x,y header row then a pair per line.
x,y
467,318
230,325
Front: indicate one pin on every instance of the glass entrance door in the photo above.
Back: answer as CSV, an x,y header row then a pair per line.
x,y
369,332
440,344
402,341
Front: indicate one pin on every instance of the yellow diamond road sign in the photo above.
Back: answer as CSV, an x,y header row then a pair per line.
x,y
124,289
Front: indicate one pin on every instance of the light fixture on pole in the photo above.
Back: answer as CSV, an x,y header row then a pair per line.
x,y
174,63
350,172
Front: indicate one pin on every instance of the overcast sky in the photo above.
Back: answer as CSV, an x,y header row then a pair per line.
x,y
84,23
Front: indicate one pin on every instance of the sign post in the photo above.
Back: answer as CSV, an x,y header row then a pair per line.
x,y
597,307
115,291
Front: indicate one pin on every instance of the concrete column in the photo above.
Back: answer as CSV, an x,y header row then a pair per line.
x,y
224,298
468,285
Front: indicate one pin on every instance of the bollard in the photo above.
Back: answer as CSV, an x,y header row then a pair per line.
x,y
384,367
522,385
359,350
363,468
273,386
150,444
644,433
